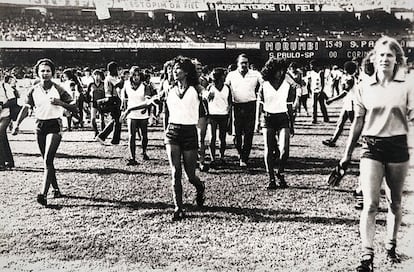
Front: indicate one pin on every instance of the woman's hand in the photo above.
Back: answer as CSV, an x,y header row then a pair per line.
x,y
123,116
55,101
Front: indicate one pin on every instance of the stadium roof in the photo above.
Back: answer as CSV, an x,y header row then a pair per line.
x,y
228,5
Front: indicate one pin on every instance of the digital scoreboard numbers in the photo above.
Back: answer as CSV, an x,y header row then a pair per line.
x,y
326,49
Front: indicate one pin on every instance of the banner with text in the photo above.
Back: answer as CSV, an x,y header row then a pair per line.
x,y
226,5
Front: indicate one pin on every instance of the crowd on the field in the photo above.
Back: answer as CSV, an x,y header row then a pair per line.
x,y
378,95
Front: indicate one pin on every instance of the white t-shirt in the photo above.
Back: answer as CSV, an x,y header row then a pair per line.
x,y
386,110
87,80
219,105
314,81
243,88
274,101
135,98
185,110
40,100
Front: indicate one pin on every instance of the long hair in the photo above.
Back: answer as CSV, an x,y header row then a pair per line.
x,y
71,75
167,64
367,64
187,66
272,66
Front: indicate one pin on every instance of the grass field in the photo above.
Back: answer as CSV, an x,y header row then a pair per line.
x,y
115,217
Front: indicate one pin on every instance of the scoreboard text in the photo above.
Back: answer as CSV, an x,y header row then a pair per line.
x,y
330,49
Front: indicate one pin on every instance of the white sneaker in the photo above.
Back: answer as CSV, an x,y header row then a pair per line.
x,y
242,164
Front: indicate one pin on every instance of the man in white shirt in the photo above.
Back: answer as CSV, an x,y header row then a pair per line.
x,y
316,84
244,84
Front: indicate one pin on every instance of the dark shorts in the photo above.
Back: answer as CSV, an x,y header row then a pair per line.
x,y
386,149
48,126
185,136
275,120
220,120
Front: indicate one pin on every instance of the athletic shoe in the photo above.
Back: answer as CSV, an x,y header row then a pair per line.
x,y
367,264
392,257
329,143
200,198
99,140
178,215
243,164
41,199
132,162
282,182
145,157
203,167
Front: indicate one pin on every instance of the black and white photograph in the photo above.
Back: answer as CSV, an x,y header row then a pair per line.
x,y
206,135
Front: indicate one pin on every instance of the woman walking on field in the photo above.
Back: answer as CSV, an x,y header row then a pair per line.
x,y
278,119
384,104
49,100
183,101
139,100
219,102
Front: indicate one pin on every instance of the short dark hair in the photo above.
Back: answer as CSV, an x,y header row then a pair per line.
x,y
218,73
350,67
242,55
98,72
112,67
47,62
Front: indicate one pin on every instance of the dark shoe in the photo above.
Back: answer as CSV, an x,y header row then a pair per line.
x,y
282,182
367,264
329,143
392,257
203,167
200,198
145,157
213,164
41,199
178,215
57,193
314,122
9,165
132,162
272,185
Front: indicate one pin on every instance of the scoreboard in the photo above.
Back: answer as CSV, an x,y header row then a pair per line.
x,y
326,49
